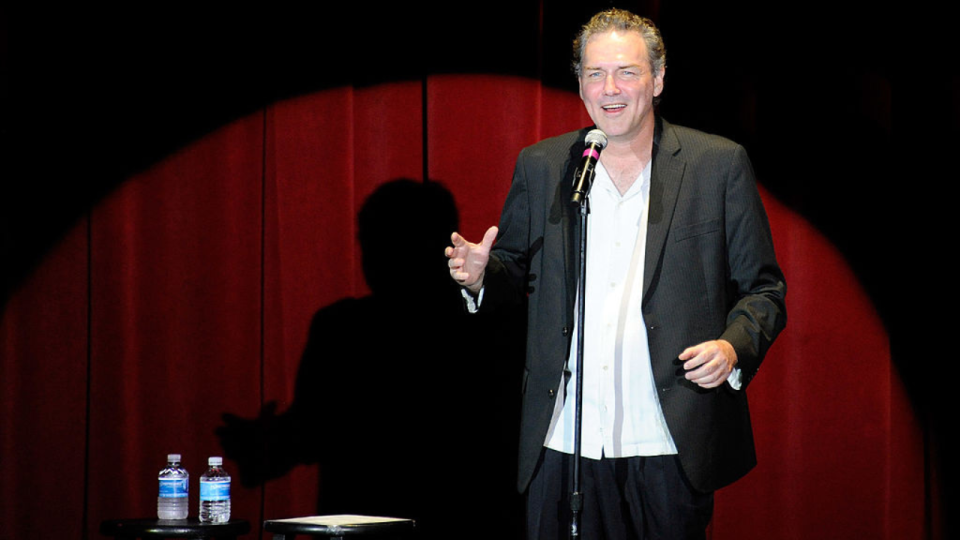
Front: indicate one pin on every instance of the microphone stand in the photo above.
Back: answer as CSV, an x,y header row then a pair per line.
x,y
583,181
576,497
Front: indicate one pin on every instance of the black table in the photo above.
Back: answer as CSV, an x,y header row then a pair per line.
x,y
342,527
130,529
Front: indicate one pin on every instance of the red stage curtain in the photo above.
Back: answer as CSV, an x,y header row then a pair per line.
x,y
189,291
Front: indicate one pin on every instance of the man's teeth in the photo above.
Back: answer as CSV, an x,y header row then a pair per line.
x,y
613,107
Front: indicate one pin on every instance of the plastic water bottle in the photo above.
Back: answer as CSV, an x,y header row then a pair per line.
x,y
173,502
215,493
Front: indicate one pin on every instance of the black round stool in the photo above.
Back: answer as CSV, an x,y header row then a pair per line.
x,y
130,529
342,527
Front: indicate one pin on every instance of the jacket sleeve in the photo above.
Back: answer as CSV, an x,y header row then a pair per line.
x,y
506,274
759,312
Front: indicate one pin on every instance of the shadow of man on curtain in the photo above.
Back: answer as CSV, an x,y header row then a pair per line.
x,y
400,424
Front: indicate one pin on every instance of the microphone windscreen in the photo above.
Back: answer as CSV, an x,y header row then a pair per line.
x,y
597,137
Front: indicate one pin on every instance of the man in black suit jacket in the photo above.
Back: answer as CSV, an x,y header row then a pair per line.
x,y
712,298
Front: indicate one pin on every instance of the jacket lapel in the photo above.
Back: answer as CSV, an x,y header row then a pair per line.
x,y
571,223
665,179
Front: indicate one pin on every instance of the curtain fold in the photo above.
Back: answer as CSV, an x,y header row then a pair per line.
x,y
44,337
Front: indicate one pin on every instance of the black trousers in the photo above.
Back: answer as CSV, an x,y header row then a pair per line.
x,y
636,498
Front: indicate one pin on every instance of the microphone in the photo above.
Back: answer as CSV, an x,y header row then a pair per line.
x,y
596,140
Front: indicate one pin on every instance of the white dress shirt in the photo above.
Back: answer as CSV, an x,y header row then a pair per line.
x,y
621,412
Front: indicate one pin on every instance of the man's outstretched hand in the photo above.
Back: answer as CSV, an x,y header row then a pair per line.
x,y
468,261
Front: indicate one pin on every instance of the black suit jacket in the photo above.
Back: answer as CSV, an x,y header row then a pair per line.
x,y
709,272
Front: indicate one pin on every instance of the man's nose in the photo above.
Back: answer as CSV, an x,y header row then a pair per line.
x,y
610,87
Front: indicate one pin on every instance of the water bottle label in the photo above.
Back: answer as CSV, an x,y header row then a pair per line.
x,y
215,491
174,488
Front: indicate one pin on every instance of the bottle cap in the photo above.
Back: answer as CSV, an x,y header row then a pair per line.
x,y
215,461
173,457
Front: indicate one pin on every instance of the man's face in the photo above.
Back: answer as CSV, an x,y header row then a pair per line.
x,y
617,86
